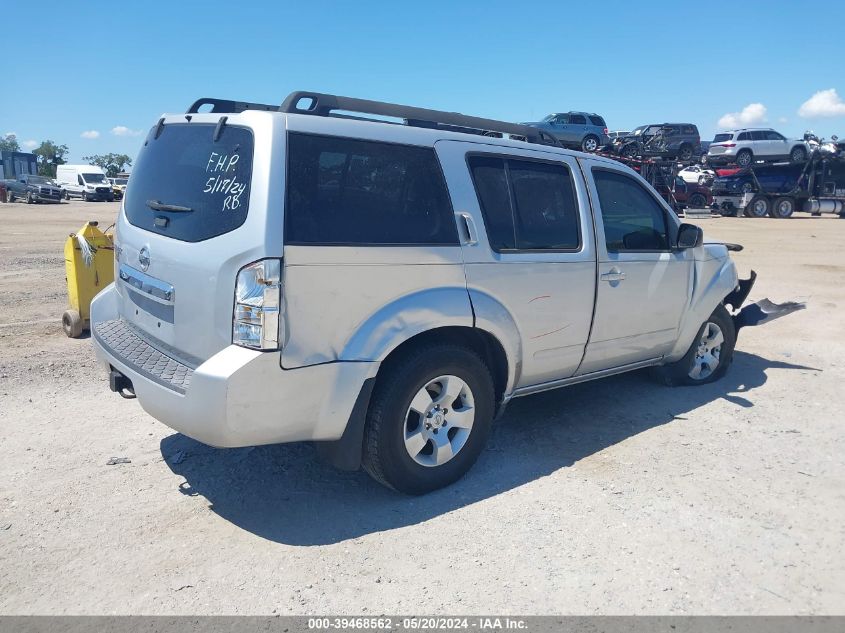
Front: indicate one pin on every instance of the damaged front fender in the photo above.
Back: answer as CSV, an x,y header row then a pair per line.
x,y
759,312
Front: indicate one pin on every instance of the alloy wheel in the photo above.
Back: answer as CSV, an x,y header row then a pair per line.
x,y
439,421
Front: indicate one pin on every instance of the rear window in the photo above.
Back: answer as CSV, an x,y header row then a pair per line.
x,y
721,138
597,120
189,187
347,191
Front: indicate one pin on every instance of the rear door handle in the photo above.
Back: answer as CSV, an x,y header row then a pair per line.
x,y
469,226
614,274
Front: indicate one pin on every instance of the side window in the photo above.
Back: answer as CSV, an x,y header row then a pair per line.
x,y
546,214
79,180
774,136
348,191
758,136
744,136
527,205
632,218
563,119
597,121
578,119
491,187
689,129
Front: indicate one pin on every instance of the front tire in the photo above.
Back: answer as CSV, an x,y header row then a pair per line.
x,y
429,419
29,197
709,356
798,155
629,151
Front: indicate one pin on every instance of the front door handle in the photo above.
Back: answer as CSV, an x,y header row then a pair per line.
x,y
614,274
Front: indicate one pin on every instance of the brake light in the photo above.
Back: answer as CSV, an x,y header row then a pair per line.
x,y
605,131
258,297
728,144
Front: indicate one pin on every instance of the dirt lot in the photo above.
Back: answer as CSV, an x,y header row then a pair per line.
x,y
620,496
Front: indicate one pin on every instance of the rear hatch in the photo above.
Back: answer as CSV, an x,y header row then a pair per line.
x,y
193,215
717,147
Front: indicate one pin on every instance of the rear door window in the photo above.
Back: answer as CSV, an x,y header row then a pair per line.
x,y
344,191
527,205
577,119
187,186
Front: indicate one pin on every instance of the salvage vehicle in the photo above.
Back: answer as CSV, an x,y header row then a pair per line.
x,y
697,175
747,145
87,182
689,195
32,188
292,273
679,141
586,131
817,186
118,186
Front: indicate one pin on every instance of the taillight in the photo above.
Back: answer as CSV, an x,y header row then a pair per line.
x,y
728,144
258,296
605,131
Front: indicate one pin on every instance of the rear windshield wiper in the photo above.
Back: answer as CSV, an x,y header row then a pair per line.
x,y
161,206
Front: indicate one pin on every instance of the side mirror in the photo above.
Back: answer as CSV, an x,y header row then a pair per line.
x,y
690,236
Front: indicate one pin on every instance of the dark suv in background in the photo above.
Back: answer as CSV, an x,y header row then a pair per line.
x,y
581,130
678,141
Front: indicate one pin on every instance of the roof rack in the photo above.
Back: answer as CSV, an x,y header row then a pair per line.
x,y
228,106
320,104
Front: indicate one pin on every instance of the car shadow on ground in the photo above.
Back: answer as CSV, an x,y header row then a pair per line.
x,y
284,493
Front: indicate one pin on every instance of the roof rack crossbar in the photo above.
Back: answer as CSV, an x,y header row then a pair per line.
x,y
319,104
228,106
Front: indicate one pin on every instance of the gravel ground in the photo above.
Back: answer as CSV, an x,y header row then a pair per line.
x,y
619,496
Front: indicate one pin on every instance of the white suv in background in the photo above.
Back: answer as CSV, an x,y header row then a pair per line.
x,y
747,145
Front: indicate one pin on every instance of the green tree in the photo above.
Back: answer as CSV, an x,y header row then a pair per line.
x,y
49,156
112,164
9,143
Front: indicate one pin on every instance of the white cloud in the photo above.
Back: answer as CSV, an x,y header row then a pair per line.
x,y
122,130
751,114
825,103
30,144
783,119
90,134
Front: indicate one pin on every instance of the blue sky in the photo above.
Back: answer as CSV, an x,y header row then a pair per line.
x,y
110,69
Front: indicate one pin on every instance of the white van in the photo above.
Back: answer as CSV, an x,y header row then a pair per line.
x,y
88,182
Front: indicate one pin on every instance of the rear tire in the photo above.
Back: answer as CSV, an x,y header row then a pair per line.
x,y
629,151
782,208
590,143
67,195
758,207
72,323
10,197
416,439
744,157
685,153
709,356
29,197
697,201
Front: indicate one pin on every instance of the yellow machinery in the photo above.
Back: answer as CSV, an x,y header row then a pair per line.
x,y
89,265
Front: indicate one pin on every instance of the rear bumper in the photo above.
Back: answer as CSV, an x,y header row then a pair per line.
x,y
238,397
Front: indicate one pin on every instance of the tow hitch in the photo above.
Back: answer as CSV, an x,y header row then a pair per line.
x,y
759,312
121,385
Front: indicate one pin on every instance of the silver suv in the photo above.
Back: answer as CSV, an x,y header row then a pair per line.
x,y
745,146
586,131
284,274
